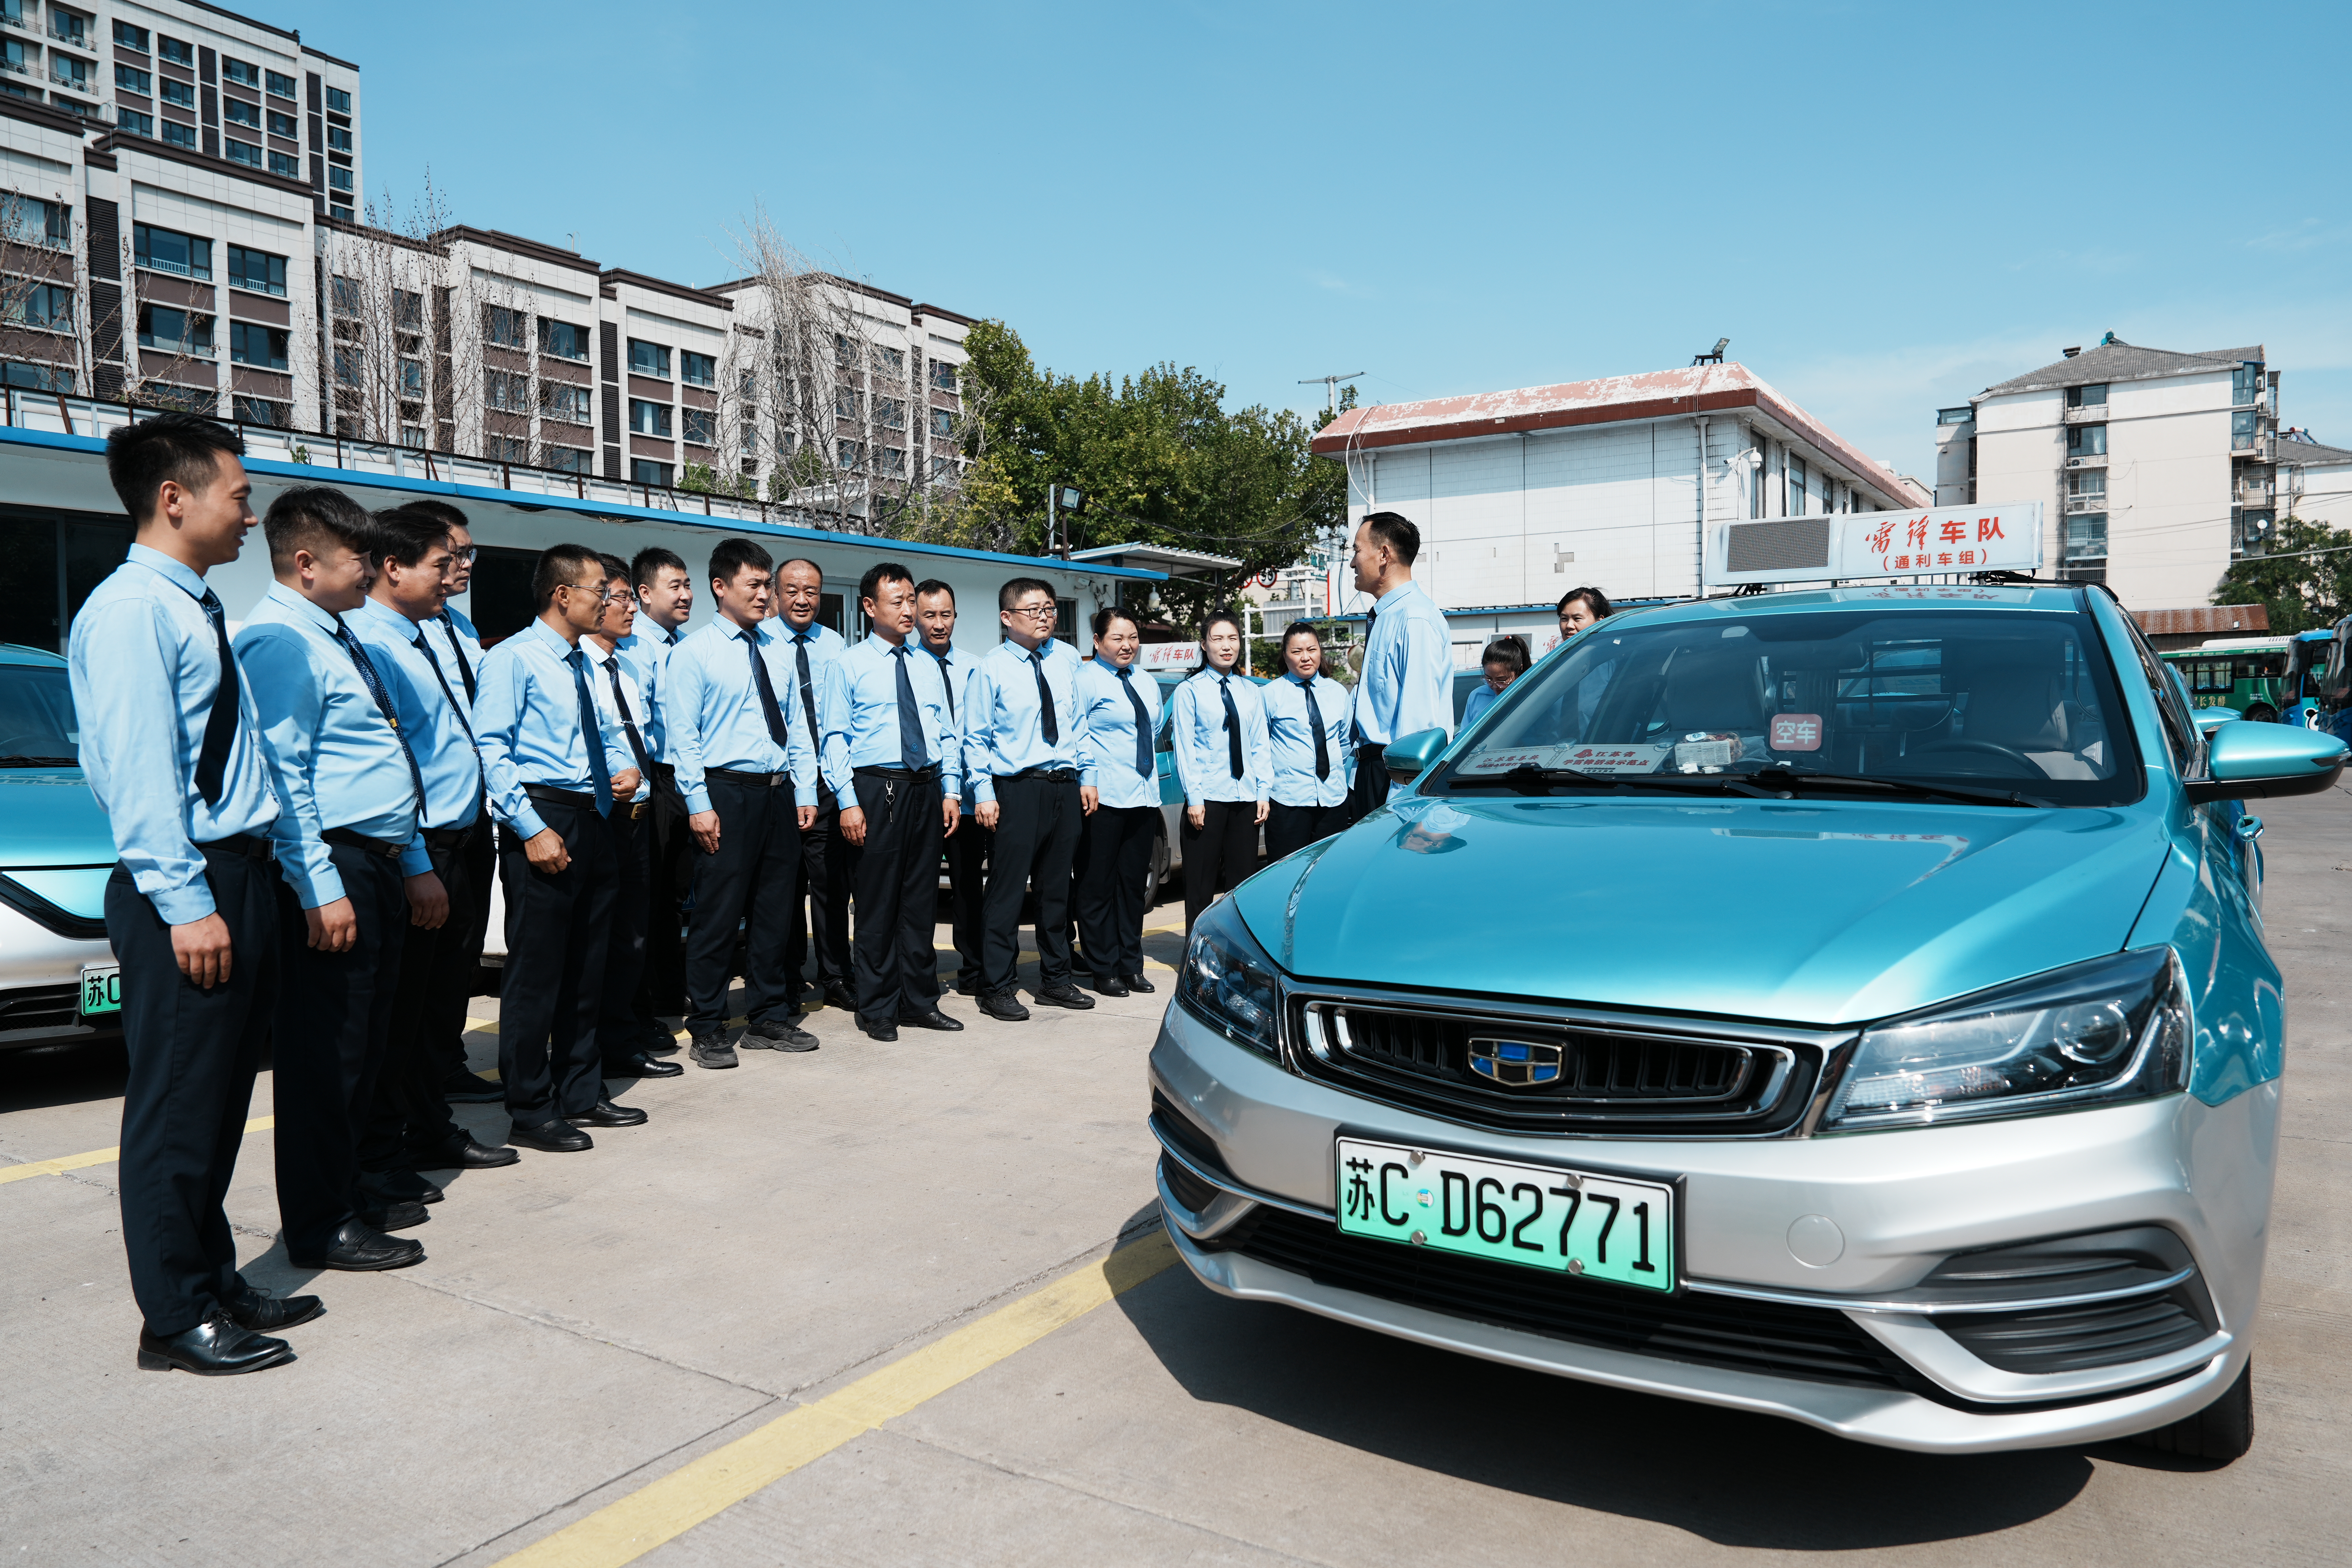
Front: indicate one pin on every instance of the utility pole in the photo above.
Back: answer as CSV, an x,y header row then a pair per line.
x,y
1330,386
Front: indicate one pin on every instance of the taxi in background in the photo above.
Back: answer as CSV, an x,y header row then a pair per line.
x,y
1852,1006
58,985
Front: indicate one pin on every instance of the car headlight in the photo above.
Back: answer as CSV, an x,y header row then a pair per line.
x,y
1228,982
2112,1029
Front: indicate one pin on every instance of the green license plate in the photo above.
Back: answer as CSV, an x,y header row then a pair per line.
x,y
1540,1217
102,989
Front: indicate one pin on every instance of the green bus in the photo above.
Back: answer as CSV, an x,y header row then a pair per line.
x,y
2268,680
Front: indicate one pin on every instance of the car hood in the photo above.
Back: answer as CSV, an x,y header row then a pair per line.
x,y
1803,911
49,817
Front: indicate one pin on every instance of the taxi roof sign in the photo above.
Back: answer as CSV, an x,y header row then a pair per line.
x,y
1847,546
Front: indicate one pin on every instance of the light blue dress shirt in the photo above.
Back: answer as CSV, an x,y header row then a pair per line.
x,y
1204,761
428,710
643,654
1110,732
712,710
600,686
1004,723
1290,739
336,753
527,726
145,665
1407,685
1482,697
955,670
458,649
860,712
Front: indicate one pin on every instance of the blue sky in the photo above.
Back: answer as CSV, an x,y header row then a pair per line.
x,y
1886,209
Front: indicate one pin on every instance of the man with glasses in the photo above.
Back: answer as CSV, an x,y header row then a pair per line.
x,y
1025,744
556,768
627,706
824,875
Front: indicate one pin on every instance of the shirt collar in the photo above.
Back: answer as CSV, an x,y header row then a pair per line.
x,y
547,639
942,656
881,645
1393,594
303,609
1110,668
791,633
376,610
182,576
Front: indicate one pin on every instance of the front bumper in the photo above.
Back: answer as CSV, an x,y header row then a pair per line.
x,y
1258,1140
40,981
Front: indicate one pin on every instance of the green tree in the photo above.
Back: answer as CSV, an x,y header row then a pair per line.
x,y
2304,580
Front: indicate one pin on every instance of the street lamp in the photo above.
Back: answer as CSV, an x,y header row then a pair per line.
x,y
1070,500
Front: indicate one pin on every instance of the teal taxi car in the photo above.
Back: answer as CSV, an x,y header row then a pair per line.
x,y
1852,1006
58,985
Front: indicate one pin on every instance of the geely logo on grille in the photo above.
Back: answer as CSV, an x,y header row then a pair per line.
x,y
1517,1063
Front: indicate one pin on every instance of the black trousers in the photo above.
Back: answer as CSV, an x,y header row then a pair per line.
x,y
1290,828
967,851
897,876
553,986
1371,790
327,1045
669,867
1114,862
1037,826
410,1114
445,1014
1218,854
619,1033
193,1054
749,881
820,910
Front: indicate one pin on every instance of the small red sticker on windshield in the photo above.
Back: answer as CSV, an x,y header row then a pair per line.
x,y
1796,733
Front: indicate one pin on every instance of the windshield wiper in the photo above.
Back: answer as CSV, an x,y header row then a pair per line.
x,y
1789,778
41,762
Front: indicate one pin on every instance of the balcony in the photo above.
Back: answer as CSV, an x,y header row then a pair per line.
x,y
71,31
24,19
2091,414
2088,461
2086,503
12,63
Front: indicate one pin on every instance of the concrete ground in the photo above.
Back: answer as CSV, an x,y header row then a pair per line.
x,y
586,1325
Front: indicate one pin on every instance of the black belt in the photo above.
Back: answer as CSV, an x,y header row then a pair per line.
x,y
351,840
1370,746
931,772
1057,775
665,771
547,795
450,837
251,845
756,781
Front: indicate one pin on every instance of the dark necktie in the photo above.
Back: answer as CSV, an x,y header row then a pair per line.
x,y
1233,724
457,652
1046,699
1315,723
382,705
591,735
947,680
769,706
1142,723
912,752
433,665
220,724
808,702
628,720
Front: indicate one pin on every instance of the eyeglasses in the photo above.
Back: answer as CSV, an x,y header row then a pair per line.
x,y
604,591
1036,612
465,557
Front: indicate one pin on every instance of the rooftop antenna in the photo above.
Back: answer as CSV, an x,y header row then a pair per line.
x,y
1713,355
1330,385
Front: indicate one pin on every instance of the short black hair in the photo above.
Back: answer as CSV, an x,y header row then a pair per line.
x,y
801,561
930,585
614,566
307,516
729,556
1508,650
407,533
1594,600
870,586
1396,531
559,565
182,448
1016,587
1110,612
651,562
449,515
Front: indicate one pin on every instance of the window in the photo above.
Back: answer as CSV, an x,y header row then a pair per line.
x,y
285,165
563,340
174,331
182,93
747,385
178,135
942,423
700,427
698,370
339,179
942,470
256,345
412,377
562,401
1796,487
279,83
339,101
177,52
262,411
2087,538
648,419
243,152
2246,382
2086,396
132,122
68,28
1960,415
894,461
237,111
509,389
503,326
341,215
842,353
29,220
894,362
351,365
645,472
256,270
648,359
49,306
2244,425
242,72
943,376
2086,440
130,78
339,137
67,72
2087,493
408,309
845,402
37,377
506,448
852,454
571,460
283,124
890,413
168,250
131,38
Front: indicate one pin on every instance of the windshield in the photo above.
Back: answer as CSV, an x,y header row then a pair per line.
x,y
1990,702
37,717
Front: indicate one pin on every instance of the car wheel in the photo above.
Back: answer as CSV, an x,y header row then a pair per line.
x,y
1159,858
2223,1430
2260,714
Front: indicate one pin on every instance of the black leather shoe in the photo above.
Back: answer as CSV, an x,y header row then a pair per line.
x,y
395,1216
604,1113
1109,985
884,1033
1063,996
466,1089
837,995
461,1153
1004,1004
263,1313
778,1034
388,1187
1137,983
643,1065
934,1019
217,1347
554,1137
659,1042
361,1249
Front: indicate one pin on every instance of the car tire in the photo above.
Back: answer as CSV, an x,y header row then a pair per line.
x,y
2261,714
1159,858
2223,1430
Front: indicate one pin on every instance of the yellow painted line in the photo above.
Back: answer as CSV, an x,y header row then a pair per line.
x,y
662,1511
96,1157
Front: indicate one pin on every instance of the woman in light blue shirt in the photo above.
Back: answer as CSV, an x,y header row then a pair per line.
x,y
1220,740
1307,715
1121,704
1505,660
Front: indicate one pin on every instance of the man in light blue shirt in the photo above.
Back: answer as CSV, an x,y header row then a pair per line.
x,y
1407,684
664,594
895,764
355,863
1306,716
555,768
747,768
1025,741
1121,709
821,900
968,841
170,745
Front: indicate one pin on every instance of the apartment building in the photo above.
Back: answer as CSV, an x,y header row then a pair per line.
x,y
2155,468
2315,480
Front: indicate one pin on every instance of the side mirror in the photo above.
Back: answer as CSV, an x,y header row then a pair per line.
x,y
1409,756
2251,762
2212,719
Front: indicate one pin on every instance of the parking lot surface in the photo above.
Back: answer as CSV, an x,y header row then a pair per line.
x,y
905,1304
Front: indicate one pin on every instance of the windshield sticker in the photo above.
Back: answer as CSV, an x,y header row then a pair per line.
x,y
1796,733
1610,760
1706,751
